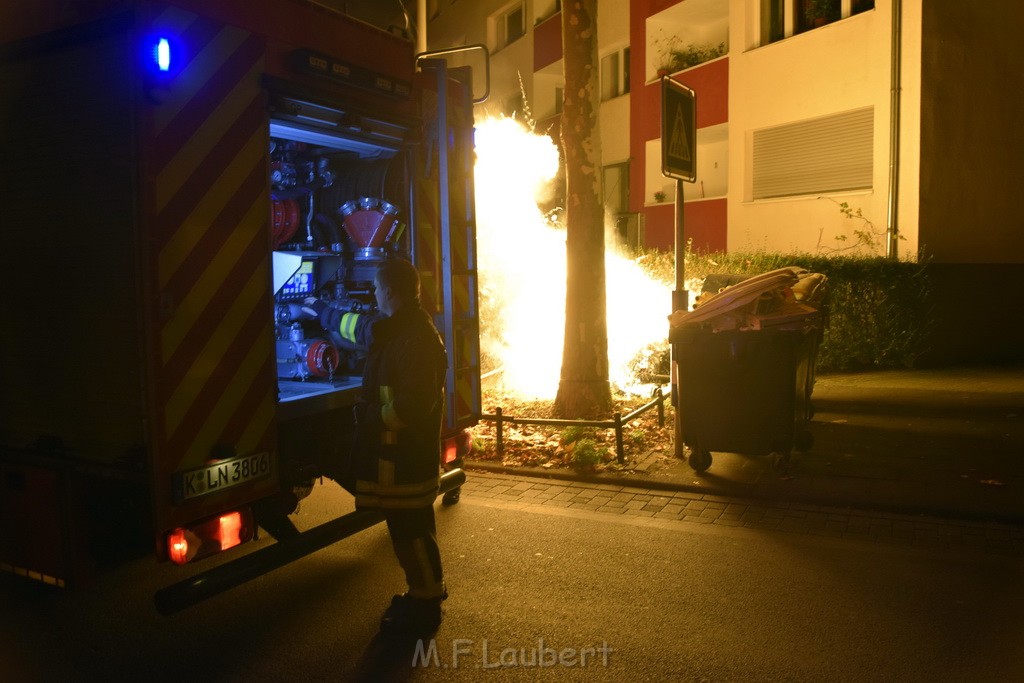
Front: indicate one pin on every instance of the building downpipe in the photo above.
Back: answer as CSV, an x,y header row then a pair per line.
x,y
892,222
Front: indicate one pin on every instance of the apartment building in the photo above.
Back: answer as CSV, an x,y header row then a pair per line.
x,y
903,110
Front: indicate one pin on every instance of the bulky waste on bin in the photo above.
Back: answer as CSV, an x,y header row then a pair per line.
x,y
745,365
778,297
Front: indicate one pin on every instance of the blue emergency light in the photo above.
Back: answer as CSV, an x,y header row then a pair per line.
x,y
162,54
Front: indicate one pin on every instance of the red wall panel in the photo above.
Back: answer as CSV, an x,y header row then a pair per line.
x,y
547,42
704,222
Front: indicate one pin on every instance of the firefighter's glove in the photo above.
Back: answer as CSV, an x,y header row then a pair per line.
x,y
313,308
298,312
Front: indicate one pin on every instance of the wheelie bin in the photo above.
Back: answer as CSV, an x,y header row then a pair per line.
x,y
745,369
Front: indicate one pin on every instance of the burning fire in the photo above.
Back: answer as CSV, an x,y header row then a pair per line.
x,y
522,269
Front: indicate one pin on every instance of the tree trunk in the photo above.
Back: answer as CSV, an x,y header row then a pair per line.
x,y
583,389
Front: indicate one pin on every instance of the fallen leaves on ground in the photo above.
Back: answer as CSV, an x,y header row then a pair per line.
x,y
554,446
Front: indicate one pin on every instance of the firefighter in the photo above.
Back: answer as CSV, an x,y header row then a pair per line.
x,y
398,418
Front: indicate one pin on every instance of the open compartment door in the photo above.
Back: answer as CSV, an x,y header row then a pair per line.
x,y
444,241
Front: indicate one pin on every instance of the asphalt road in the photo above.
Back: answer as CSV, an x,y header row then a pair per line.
x,y
545,585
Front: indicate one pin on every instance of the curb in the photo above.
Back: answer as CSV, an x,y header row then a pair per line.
x,y
718,493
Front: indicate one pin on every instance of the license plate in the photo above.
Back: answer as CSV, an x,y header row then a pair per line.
x,y
221,475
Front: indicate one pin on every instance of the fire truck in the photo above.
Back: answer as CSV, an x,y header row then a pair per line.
x,y
178,177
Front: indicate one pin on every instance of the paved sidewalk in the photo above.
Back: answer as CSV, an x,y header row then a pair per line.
x,y
530,493
946,443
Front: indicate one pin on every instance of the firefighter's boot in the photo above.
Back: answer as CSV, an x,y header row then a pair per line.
x,y
411,615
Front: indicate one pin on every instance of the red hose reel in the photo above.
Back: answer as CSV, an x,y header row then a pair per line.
x,y
284,219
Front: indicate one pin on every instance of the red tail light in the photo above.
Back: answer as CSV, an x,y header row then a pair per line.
x,y
210,536
455,447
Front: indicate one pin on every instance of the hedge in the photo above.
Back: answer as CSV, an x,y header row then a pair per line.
x,y
878,314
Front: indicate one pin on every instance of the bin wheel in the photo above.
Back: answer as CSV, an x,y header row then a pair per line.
x,y
452,497
780,462
700,459
804,441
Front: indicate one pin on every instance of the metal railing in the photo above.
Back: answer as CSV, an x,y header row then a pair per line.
x,y
617,422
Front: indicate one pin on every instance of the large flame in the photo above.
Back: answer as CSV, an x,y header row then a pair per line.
x,y
522,269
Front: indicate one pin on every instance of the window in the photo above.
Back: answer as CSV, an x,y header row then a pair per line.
x,y
783,18
773,26
827,154
510,25
615,74
616,188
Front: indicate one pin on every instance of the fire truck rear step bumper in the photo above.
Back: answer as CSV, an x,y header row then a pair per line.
x,y
195,589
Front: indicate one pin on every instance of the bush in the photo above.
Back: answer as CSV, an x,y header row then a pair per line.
x,y
586,454
878,311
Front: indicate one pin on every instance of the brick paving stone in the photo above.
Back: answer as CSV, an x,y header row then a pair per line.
x,y
711,498
763,523
752,518
654,507
673,508
816,518
859,522
791,524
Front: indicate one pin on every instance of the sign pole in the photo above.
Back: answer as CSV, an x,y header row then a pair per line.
x,y
680,302
679,161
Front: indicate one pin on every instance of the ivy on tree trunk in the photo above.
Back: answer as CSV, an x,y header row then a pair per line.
x,y
583,389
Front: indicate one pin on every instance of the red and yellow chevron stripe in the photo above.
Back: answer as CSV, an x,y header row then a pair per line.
x,y
210,252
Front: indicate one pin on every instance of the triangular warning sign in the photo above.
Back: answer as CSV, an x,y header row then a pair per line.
x,y
678,144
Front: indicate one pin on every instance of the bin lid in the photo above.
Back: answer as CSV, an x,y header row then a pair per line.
x,y
737,296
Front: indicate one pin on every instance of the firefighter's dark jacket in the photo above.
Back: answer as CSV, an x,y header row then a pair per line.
x,y
397,448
